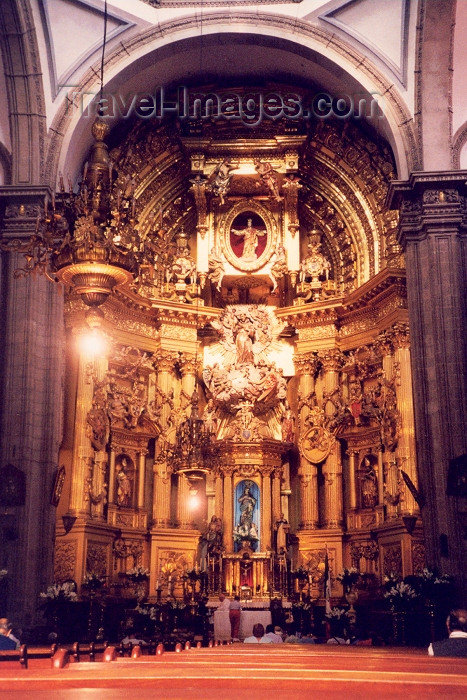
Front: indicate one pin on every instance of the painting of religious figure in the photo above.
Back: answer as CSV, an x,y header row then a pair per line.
x,y
248,236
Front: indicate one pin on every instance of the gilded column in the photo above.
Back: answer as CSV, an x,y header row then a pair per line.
x,y
188,369
391,487
380,476
306,367
332,468
308,474
83,454
141,476
352,489
184,516
228,507
276,494
406,443
98,492
219,503
266,523
111,495
187,365
162,471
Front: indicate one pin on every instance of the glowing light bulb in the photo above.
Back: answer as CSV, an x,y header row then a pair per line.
x,y
93,343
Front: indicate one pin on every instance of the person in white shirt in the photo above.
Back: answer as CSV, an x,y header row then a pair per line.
x,y
258,636
224,603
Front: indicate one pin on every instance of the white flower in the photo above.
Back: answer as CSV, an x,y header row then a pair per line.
x,y
60,591
336,613
138,573
401,590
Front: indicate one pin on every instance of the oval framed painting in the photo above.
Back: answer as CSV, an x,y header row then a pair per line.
x,y
248,236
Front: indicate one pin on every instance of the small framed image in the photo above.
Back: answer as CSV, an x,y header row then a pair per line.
x,y
57,488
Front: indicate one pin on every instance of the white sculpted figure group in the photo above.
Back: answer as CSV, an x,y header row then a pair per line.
x,y
246,385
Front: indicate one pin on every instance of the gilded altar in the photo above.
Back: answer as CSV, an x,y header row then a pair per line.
x,y
254,402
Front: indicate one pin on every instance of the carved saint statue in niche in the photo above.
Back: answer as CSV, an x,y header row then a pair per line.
x,y
124,485
369,484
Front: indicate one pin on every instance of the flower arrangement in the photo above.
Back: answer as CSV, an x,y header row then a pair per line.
x,y
301,573
148,612
137,574
193,575
348,577
93,581
336,613
431,585
400,595
59,592
391,579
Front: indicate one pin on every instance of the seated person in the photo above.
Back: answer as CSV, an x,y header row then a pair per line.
x,y
337,633
6,642
456,643
273,635
292,637
258,636
131,638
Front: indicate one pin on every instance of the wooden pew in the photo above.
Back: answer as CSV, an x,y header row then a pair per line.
x,y
20,655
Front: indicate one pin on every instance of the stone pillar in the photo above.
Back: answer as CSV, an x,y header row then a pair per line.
x,y
332,468
406,443
162,471
309,519
32,347
433,233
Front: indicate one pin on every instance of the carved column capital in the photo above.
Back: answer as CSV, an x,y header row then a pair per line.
x,y
166,360
188,364
429,203
332,360
383,344
306,364
400,335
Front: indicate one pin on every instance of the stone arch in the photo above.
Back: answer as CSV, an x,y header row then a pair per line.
x,y
26,105
158,42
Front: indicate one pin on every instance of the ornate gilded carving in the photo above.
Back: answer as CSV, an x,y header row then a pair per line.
x,y
65,560
365,549
96,558
392,560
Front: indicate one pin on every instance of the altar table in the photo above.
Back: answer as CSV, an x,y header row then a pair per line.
x,y
248,618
